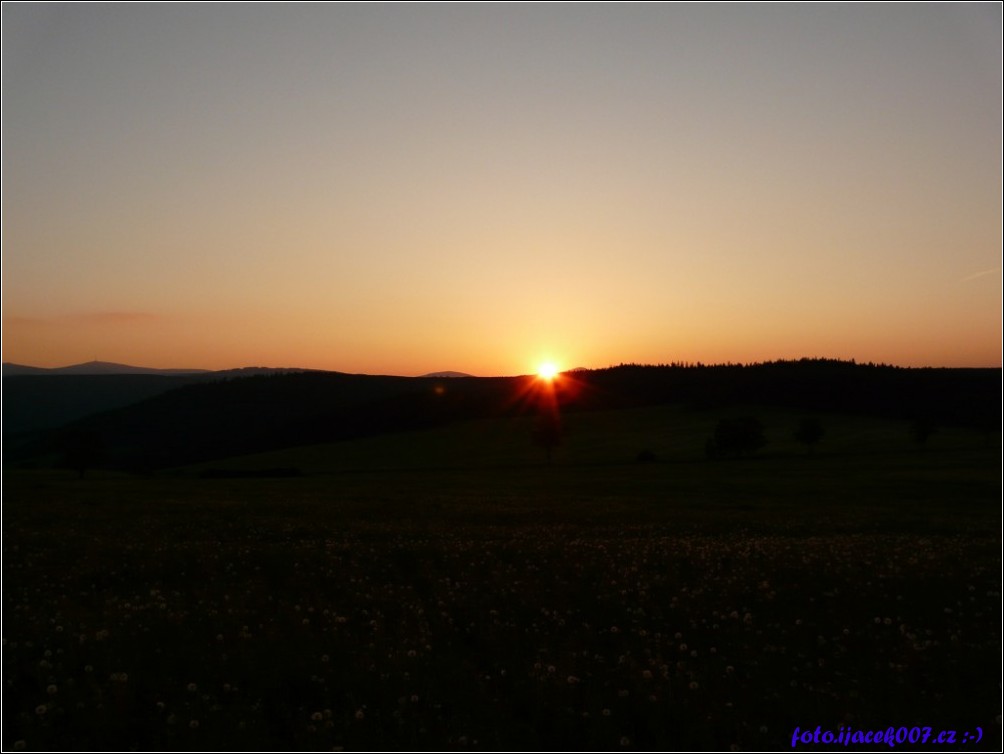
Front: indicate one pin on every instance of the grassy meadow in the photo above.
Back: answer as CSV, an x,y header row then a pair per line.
x,y
449,589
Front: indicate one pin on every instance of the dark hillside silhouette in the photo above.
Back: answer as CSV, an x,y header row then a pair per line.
x,y
223,418
33,402
960,397
37,398
81,450
217,419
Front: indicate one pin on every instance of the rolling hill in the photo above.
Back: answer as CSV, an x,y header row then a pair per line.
x,y
210,419
35,398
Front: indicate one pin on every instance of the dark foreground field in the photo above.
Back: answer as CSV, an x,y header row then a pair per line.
x,y
682,604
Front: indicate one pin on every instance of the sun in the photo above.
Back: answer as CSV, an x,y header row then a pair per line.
x,y
547,371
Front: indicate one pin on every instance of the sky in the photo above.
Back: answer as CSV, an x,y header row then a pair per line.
x,y
402,189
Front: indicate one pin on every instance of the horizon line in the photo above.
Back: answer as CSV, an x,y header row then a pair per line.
x,y
459,374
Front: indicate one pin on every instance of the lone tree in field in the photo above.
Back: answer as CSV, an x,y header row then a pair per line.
x,y
810,431
733,437
547,433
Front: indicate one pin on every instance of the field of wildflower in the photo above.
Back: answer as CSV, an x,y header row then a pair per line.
x,y
665,606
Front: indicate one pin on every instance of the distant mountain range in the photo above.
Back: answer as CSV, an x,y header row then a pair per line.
x,y
93,367
447,375
108,367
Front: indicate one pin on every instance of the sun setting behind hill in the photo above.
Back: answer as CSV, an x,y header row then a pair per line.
x,y
300,464
547,370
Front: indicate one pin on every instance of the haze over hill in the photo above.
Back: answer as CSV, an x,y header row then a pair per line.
x,y
92,367
107,367
111,368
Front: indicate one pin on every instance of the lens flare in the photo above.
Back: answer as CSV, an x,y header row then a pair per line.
x,y
547,371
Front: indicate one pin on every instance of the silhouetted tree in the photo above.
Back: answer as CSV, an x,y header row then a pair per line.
x,y
547,433
810,431
922,429
733,437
